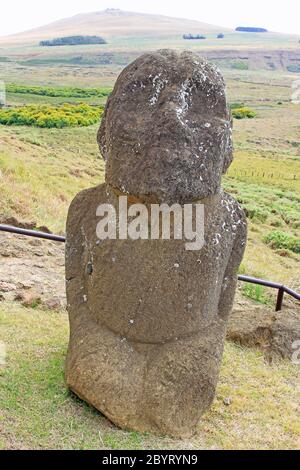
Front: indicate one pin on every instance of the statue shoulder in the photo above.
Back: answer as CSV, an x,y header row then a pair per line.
x,y
82,202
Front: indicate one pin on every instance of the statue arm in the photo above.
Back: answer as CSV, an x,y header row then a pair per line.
x,y
230,276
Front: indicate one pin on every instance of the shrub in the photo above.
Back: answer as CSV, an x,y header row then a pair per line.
x,y
281,240
243,113
291,217
294,68
193,36
276,222
66,115
59,92
255,213
74,41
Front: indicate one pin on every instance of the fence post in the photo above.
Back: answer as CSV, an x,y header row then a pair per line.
x,y
279,299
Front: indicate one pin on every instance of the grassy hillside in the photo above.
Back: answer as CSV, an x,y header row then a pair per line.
x,y
125,28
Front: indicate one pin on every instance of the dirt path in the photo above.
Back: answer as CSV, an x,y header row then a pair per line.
x,y
32,271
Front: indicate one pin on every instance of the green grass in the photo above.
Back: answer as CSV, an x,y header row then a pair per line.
x,y
257,293
262,203
69,92
34,163
268,208
277,239
23,99
38,412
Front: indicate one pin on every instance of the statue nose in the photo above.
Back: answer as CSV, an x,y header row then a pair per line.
x,y
172,110
172,99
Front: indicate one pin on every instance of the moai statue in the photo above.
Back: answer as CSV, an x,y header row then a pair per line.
x,y
148,317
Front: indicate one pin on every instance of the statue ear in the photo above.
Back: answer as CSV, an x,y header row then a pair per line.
x,y
101,136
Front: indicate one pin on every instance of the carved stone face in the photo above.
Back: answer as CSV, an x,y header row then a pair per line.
x,y
166,133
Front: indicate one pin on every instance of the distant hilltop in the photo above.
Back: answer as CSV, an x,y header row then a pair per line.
x,y
112,23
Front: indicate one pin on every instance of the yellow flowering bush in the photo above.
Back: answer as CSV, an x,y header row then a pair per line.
x,y
243,113
66,115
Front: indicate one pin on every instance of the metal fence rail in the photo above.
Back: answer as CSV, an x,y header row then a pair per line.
x,y
282,289
32,233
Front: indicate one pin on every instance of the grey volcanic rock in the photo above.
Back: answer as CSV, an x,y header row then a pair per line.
x,y
148,317
166,131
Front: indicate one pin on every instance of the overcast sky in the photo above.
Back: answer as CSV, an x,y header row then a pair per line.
x,y
282,16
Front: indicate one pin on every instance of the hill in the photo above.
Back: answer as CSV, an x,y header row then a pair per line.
x,y
115,23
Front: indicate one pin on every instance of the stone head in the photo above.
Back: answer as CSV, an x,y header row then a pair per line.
x,y
166,134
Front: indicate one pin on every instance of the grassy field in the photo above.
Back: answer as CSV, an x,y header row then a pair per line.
x,y
25,61
38,412
125,44
34,163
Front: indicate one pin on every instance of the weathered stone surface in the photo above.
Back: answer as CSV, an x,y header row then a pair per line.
x,y
166,131
148,318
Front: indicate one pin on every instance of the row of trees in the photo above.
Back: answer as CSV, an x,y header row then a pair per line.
x,y
74,41
251,29
200,36
193,36
244,29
